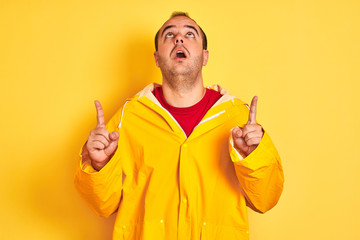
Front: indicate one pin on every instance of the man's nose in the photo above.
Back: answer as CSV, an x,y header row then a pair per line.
x,y
178,39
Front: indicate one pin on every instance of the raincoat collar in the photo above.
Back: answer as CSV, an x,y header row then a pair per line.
x,y
217,114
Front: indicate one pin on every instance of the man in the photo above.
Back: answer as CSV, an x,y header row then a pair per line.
x,y
168,161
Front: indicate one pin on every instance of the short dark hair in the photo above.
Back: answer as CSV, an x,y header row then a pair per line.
x,y
185,14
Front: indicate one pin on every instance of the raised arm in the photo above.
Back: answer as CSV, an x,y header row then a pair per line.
x,y
99,176
257,163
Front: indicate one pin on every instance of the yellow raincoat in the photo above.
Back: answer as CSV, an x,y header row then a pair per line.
x,y
164,185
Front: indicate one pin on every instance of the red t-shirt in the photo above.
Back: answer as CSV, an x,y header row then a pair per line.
x,y
189,117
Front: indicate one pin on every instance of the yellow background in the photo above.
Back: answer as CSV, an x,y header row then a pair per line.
x,y
301,57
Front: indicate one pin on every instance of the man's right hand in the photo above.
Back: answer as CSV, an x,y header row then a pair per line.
x,y
101,144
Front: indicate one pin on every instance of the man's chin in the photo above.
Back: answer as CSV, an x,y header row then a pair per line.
x,y
181,72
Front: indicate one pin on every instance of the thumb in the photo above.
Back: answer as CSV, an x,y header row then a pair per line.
x,y
114,136
239,141
237,132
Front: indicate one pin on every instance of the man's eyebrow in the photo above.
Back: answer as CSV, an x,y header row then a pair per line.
x,y
188,26
166,28
192,27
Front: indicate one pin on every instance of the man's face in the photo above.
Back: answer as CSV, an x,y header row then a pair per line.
x,y
180,48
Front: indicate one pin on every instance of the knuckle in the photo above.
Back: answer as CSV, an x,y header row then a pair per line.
x,y
90,139
90,147
103,131
253,141
100,145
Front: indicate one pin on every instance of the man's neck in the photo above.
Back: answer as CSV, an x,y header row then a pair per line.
x,y
183,97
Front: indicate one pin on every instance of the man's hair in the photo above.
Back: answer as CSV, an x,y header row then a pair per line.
x,y
184,14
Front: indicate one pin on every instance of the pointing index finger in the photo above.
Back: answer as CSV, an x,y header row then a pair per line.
x,y
100,115
252,113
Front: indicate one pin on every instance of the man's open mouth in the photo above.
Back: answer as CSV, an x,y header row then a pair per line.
x,y
180,54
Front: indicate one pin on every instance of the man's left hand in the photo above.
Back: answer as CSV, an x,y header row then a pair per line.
x,y
246,139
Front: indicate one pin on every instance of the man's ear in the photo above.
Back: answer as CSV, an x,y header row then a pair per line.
x,y
156,57
206,57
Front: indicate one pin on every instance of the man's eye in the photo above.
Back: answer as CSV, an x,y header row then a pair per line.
x,y
190,34
170,34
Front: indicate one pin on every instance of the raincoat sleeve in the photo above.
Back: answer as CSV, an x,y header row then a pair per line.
x,y
260,174
101,190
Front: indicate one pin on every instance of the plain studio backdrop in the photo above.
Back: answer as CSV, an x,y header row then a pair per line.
x,y
301,57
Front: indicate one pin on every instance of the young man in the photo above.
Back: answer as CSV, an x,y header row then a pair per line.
x,y
180,161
